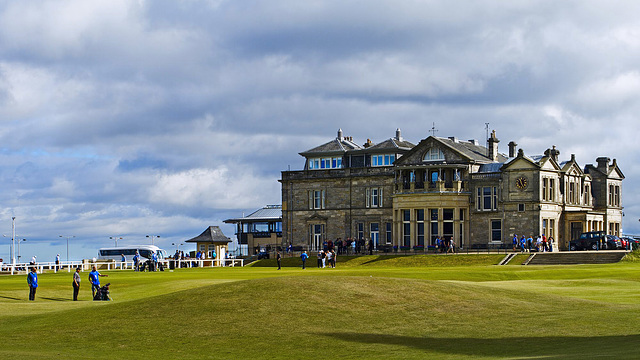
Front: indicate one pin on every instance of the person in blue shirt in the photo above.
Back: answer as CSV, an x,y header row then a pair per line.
x,y
136,261
32,280
304,257
154,258
94,279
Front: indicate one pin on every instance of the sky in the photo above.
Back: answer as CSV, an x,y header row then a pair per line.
x,y
134,118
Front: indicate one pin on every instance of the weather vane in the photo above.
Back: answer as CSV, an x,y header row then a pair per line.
x,y
433,130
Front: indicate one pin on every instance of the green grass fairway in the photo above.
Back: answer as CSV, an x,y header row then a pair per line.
x,y
367,308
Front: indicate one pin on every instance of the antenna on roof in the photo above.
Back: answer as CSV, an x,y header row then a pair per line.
x,y
433,130
486,128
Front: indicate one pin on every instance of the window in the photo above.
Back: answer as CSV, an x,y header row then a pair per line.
x,y
487,198
406,225
545,188
382,160
373,197
521,207
496,230
447,224
420,227
434,154
360,231
316,199
325,163
389,232
434,225
552,192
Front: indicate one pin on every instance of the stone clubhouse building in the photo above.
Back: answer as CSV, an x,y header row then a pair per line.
x,y
400,194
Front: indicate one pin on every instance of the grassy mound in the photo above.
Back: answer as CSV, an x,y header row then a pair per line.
x,y
394,261
368,313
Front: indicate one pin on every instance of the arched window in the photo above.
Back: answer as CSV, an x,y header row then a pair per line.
x,y
434,154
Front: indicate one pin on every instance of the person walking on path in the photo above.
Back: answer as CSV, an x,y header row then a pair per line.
x,y
304,257
279,259
32,280
76,284
94,278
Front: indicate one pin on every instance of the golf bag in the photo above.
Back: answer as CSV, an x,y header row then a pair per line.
x,y
102,294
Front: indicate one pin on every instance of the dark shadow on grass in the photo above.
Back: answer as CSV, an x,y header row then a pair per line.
x,y
55,299
563,347
10,298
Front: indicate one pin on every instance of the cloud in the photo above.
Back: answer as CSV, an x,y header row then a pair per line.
x,y
127,118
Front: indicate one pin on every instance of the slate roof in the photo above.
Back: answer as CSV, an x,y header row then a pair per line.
x,y
469,149
490,168
335,146
391,144
269,212
211,234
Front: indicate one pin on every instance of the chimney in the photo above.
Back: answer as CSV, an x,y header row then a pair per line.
x,y
512,149
603,164
368,143
453,138
340,137
474,142
493,146
398,135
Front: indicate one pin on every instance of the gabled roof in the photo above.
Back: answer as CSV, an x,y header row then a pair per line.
x,y
211,234
269,212
521,156
568,165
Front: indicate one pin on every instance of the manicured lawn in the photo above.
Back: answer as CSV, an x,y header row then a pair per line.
x,y
397,307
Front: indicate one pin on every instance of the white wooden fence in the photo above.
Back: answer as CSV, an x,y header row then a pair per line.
x,y
22,268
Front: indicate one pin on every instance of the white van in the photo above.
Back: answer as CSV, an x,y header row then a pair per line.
x,y
145,251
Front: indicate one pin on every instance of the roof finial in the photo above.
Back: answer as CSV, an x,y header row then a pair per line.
x,y
433,130
340,135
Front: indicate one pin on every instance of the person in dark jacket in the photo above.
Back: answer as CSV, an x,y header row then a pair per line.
x,y
304,257
32,280
279,259
76,284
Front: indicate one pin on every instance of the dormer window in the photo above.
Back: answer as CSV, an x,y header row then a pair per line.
x,y
434,154
382,160
325,163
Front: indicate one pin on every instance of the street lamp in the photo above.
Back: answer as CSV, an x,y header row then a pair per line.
x,y
116,239
177,246
19,241
152,236
67,236
13,240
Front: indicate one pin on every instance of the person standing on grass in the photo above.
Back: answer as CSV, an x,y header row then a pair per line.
x,y
304,257
279,259
319,259
136,261
94,278
333,259
58,262
32,280
76,284
515,242
523,243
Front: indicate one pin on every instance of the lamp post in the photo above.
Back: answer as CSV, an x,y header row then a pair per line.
x,y
152,236
177,246
13,240
116,238
67,236
19,241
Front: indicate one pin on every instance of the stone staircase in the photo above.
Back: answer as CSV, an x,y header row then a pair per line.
x,y
575,257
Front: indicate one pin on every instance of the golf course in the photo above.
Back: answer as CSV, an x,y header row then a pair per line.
x,y
368,307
